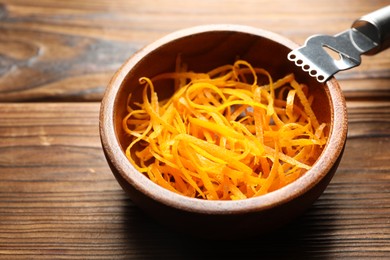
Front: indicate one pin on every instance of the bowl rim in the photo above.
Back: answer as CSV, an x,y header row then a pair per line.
x,y
323,165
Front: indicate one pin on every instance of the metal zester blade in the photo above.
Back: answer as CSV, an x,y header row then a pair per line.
x,y
369,35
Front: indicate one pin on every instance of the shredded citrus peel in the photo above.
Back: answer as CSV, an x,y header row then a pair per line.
x,y
222,136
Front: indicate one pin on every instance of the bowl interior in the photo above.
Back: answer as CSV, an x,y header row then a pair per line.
x,y
203,51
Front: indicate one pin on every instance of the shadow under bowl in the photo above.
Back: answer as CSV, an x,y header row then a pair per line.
x,y
202,49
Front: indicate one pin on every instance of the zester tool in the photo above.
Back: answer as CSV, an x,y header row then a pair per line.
x,y
368,35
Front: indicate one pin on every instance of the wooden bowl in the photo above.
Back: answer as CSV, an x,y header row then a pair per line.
x,y
204,48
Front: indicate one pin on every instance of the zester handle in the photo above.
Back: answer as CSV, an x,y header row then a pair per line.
x,y
376,26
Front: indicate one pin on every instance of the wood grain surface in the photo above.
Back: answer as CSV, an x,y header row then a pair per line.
x,y
69,50
58,198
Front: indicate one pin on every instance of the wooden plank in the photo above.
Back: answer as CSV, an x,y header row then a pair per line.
x,y
53,51
366,89
58,198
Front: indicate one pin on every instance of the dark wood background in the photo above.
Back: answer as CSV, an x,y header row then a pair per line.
x,y
58,198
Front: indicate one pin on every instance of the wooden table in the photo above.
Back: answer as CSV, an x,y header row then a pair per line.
x,y
58,198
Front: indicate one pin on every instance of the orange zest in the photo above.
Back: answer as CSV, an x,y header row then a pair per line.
x,y
223,135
